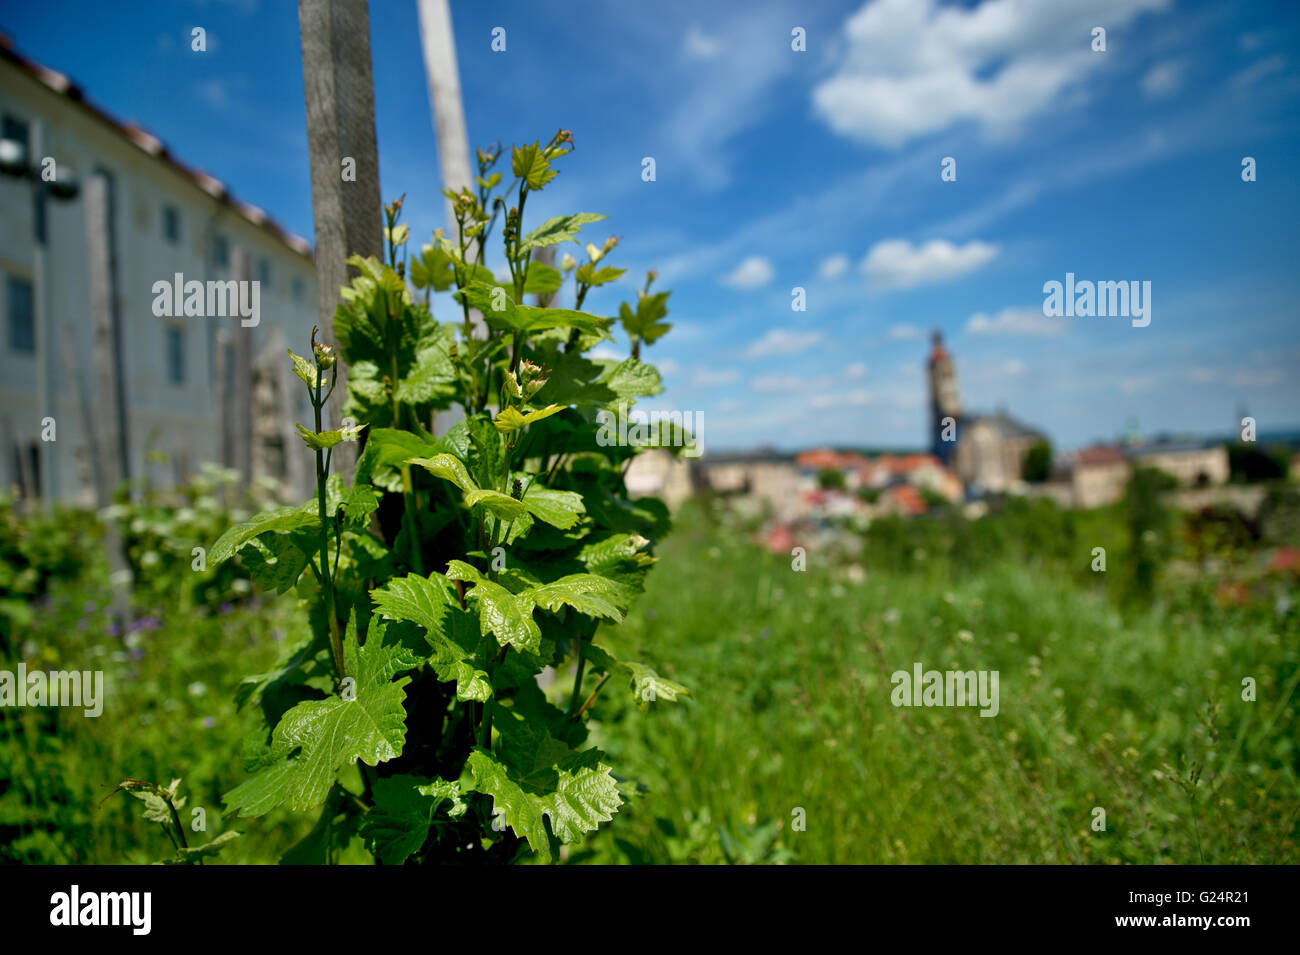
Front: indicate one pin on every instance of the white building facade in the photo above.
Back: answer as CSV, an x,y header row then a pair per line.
x,y
166,219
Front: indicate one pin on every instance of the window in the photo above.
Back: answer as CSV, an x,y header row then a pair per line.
x,y
171,218
175,354
264,274
221,251
22,316
299,289
27,469
15,130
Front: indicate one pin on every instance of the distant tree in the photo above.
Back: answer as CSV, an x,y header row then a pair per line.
x,y
830,479
1038,463
1248,462
933,498
869,494
1149,521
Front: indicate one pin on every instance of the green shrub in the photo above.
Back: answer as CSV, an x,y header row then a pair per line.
x,y
458,567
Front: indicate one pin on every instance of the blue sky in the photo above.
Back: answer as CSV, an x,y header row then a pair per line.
x,y
821,169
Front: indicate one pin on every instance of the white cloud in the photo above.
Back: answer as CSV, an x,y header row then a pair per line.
x,y
753,273
1163,79
709,377
896,263
720,96
833,267
666,367
834,399
699,45
1029,320
906,333
916,67
1257,71
783,341
1260,378
784,383
856,370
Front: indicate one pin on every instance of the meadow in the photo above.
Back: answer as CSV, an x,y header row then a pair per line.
x,y
1122,734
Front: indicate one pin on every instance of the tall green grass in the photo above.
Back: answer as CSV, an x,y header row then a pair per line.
x,y
1136,711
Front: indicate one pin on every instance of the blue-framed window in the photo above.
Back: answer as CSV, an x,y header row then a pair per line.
x,y
171,217
175,337
20,302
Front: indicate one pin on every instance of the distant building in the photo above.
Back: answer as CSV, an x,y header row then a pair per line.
x,y
766,475
1098,475
918,471
945,407
1193,463
167,219
660,474
991,451
987,451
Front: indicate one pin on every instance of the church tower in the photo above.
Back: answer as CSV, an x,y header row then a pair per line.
x,y
943,401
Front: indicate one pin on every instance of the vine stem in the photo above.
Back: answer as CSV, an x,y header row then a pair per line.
x,y
577,677
408,494
327,584
592,699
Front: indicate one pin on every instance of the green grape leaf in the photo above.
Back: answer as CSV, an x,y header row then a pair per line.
x,y
449,468
433,268
398,823
586,593
306,370
588,274
644,321
317,738
324,440
509,617
646,685
276,561
388,448
559,229
280,519
511,420
534,774
208,850
502,505
542,279
263,791
358,503
560,509
521,811
502,313
631,378
451,632
531,165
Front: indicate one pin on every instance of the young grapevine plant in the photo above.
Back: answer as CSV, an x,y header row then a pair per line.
x,y
455,568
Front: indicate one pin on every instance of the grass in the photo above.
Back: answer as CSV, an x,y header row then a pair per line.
x,y
1138,713
791,750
